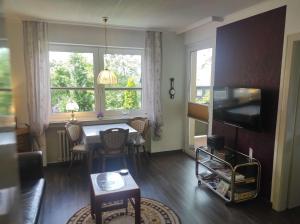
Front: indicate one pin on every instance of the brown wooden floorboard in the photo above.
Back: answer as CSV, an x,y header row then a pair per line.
x,y
168,178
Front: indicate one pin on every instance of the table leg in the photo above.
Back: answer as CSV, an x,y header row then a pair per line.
x,y
137,208
92,203
90,159
98,217
131,155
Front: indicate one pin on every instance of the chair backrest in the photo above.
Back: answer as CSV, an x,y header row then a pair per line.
x,y
140,124
114,140
74,133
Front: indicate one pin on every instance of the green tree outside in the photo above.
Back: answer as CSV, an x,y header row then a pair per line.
x,y
5,83
204,99
128,71
130,96
77,71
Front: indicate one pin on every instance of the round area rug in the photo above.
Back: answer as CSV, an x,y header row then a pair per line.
x,y
151,212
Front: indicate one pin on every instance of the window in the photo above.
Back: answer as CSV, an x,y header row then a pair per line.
x,y
127,94
72,79
6,106
74,71
200,87
203,76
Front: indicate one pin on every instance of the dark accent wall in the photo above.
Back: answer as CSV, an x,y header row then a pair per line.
x,y
249,54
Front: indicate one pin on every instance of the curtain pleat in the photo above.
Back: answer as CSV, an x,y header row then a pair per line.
x,y
36,57
153,78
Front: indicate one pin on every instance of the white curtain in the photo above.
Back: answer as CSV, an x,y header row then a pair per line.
x,y
36,57
153,67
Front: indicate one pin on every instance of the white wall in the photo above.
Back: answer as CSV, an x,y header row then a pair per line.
x,y
173,110
92,35
284,133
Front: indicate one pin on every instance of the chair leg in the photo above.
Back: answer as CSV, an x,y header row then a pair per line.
x,y
145,152
134,160
138,155
130,150
71,164
87,161
126,203
137,148
88,155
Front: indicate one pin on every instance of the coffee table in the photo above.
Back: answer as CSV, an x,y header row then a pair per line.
x,y
102,198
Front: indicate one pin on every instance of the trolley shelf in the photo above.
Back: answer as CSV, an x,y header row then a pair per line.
x,y
230,174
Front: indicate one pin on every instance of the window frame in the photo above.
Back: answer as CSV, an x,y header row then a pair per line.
x,y
122,51
210,86
99,90
4,44
75,49
7,120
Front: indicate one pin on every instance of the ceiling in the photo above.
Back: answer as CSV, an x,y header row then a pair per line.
x,y
171,15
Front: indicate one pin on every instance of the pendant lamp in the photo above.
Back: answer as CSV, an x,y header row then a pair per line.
x,y
106,76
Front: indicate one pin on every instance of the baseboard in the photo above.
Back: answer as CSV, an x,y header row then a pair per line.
x,y
58,163
190,153
166,152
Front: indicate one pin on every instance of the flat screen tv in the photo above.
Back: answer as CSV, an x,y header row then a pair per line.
x,y
238,106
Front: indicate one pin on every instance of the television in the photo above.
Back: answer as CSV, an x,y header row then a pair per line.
x,y
239,107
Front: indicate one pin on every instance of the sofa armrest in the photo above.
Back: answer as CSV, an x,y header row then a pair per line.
x,y
30,165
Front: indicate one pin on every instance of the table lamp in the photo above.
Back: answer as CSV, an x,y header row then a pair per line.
x,y
72,106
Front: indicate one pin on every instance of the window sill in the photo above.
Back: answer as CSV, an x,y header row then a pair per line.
x,y
202,104
92,120
7,122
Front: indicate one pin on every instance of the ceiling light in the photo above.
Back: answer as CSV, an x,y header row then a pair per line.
x,y
106,76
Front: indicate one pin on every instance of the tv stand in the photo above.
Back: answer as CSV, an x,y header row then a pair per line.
x,y
232,175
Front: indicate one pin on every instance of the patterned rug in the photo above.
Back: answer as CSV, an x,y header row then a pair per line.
x,y
151,212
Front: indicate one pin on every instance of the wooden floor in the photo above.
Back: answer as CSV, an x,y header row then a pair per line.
x,y
168,178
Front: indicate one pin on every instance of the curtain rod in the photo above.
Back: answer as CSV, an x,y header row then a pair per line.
x,y
94,45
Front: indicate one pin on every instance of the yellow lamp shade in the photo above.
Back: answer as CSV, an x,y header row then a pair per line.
x,y
107,77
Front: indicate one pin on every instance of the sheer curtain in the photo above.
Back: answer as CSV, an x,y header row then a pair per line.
x,y
38,79
153,67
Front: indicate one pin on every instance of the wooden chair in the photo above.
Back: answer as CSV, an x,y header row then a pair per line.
x,y
140,124
74,133
113,143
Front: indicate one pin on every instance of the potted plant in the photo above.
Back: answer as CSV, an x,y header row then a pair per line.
x,y
100,115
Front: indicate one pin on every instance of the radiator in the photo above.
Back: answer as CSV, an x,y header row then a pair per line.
x,y
64,147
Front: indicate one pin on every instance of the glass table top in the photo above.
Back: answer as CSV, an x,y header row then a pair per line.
x,y
110,181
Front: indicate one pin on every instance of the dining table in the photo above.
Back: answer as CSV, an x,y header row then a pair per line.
x,y
91,137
